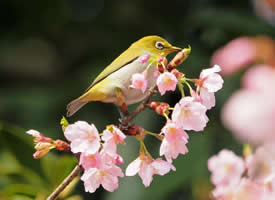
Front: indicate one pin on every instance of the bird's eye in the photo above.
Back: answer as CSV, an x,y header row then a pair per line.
x,y
159,45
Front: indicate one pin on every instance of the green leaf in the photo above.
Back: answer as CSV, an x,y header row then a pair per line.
x,y
15,140
25,189
56,168
10,166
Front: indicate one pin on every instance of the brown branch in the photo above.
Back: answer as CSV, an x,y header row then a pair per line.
x,y
127,119
76,171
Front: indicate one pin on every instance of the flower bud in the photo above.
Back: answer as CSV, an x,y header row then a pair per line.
x,y
159,107
62,145
177,73
179,58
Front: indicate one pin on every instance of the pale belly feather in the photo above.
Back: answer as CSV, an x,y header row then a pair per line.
x,y
123,78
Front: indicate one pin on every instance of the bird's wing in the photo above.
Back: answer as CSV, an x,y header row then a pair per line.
x,y
125,58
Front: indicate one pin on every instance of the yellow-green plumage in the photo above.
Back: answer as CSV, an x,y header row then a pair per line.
x,y
119,72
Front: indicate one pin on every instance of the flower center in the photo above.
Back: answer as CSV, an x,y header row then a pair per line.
x,y
90,137
168,81
139,84
186,112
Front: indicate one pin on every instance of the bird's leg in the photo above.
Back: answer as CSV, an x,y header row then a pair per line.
x,y
123,110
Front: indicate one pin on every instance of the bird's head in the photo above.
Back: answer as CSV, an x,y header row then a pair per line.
x,y
155,45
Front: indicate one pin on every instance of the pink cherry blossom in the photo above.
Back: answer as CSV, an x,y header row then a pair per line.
x,y
111,158
139,82
224,192
112,136
146,167
99,169
260,78
226,168
244,189
83,136
250,116
106,176
166,82
190,115
249,190
174,141
235,55
261,165
205,98
90,160
144,58
95,160
270,189
210,79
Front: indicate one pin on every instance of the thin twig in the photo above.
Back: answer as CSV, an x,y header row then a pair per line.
x,y
76,171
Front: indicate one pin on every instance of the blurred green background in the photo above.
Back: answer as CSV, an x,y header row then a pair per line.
x,y
50,51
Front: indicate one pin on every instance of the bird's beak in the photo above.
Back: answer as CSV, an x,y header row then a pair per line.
x,y
174,49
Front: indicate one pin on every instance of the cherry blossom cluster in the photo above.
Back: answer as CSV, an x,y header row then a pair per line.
x,y
248,178
98,154
256,102
97,151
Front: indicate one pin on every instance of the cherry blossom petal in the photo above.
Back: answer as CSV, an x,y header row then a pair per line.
x,y
90,160
260,78
162,167
174,141
146,174
261,165
166,82
133,168
249,190
228,57
255,123
190,115
91,180
226,168
146,167
139,82
83,137
109,182
207,98
210,80
33,133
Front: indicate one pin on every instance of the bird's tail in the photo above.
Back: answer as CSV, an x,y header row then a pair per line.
x,y
74,106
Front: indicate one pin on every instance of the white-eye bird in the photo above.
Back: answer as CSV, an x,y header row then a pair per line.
x,y
117,76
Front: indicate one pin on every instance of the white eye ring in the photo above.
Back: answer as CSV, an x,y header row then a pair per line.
x,y
159,45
